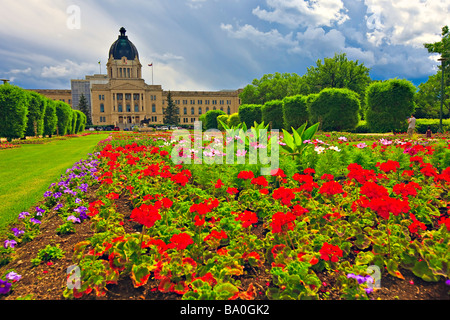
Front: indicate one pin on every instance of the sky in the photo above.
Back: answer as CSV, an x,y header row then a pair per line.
x,y
211,45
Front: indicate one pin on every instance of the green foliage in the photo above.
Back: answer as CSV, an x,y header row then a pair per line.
x,y
295,111
85,109
13,111
210,119
272,113
73,126
294,144
428,98
250,113
47,254
234,120
50,119
389,104
223,118
36,113
64,114
272,87
170,112
335,109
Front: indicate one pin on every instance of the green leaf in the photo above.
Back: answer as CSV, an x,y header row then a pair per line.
x,y
422,270
310,132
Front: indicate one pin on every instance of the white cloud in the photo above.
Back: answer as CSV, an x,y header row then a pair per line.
x,y
406,22
68,69
295,13
272,38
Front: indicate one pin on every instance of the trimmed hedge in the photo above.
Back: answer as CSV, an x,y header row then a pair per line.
x,y
249,113
13,111
295,111
272,112
336,109
389,104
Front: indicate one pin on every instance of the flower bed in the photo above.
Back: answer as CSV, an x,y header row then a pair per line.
x,y
341,222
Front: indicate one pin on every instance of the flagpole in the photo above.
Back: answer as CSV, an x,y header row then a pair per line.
x,y
151,65
100,66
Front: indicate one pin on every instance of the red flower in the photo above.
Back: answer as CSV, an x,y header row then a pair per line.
x,y
307,182
388,166
330,252
166,202
219,184
146,215
361,175
232,190
331,188
284,194
282,222
278,173
260,181
245,175
247,218
112,196
309,171
181,241
216,235
373,190
93,208
406,189
298,210
414,227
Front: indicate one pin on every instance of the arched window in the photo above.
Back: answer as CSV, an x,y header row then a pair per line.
x,y
229,110
192,111
200,110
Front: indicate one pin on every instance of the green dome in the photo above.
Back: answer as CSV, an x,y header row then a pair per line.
x,y
123,47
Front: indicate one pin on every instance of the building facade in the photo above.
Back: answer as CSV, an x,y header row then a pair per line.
x,y
125,99
122,98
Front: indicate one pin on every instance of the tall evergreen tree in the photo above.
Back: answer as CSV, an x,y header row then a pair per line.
x,y
170,113
84,107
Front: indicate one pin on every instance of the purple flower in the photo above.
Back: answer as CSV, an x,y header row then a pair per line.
x,y
39,211
56,195
78,200
9,243
47,194
5,286
23,215
58,206
13,276
447,282
35,221
73,219
83,187
17,232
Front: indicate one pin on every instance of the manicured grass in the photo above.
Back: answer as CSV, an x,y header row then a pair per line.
x,y
27,172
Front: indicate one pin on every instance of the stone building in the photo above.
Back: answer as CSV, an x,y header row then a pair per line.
x,y
122,98
126,99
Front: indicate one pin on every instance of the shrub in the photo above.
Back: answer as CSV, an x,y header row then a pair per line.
x,y
73,127
272,112
50,118
336,109
13,111
389,103
224,119
249,113
295,111
64,114
36,113
234,120
210,119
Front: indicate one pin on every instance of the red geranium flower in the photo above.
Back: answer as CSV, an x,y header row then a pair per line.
x,y
281,222
181,241
245,175
330,252
146,215
247,218
331,188
284,194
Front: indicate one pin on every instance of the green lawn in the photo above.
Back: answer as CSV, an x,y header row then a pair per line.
x,y
27,172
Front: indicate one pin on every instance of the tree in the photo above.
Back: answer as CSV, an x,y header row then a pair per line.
x,y
13,111
50,119
84,107
249,113
272,112
428,98
336,109
171,112
36,113
389,104
443,49
295,111
272,87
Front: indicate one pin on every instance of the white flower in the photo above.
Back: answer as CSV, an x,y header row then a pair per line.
x,y
335,148
319,150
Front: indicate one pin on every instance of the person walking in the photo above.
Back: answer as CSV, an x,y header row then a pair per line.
x,y
411,126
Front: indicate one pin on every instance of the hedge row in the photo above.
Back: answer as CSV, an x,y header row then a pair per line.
x,y
27,113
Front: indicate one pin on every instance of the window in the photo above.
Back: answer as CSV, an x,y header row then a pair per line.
x,y
120,96
192,101
136,108
136,96
200,110
207,109
128,108
192,111
229,110
120,108
153,107
199,101
184,110
127,96
102,108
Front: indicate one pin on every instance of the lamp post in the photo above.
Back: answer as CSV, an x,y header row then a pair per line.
x,y
442,59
